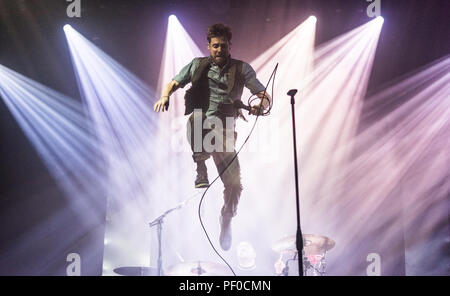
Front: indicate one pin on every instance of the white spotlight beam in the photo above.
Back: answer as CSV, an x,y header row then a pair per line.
x,y
173,157
120,106
61,135
175,163
55,125
328,106
327,109
400,160
179,50
294,53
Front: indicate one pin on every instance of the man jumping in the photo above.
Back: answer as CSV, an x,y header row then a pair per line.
x,y
217,82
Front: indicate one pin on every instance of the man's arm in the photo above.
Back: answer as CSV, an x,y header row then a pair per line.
x,y
179,81
255,86
265,99
265,102
167,91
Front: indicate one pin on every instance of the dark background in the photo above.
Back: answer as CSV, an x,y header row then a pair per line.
x,y
32,42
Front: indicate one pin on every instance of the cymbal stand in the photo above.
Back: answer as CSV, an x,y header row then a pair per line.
x,y
158,222
285,270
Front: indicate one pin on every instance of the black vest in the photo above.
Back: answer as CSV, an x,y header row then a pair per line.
x,y
197,96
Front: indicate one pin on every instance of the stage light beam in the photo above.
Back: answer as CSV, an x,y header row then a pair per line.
x,y
119,104
57,128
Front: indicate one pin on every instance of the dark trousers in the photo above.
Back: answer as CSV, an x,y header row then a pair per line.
x,y
231,176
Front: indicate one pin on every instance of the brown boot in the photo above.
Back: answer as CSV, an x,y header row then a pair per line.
x,y
201,181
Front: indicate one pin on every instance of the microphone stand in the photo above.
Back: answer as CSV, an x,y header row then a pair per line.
x,y
159,221
299,237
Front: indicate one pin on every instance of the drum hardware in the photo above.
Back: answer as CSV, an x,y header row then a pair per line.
x,y
198,268
313,253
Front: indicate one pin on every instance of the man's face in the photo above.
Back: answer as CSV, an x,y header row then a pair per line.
x,y
219,49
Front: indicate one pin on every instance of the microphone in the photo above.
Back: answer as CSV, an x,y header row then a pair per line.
x,y
238,104
292,92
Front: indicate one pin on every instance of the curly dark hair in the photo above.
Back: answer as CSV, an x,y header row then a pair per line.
x,y
219,30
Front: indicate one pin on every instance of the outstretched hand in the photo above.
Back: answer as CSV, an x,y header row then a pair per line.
x,y
162,104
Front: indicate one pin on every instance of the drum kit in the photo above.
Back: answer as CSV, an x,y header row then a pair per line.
x,y
198,269
315,248
192,268
136,271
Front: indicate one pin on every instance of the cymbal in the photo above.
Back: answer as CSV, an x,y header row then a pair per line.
x,y
312,244
198,268
136,271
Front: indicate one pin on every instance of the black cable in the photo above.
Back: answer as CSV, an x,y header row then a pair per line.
x,y
234,157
